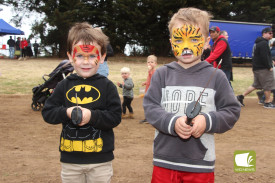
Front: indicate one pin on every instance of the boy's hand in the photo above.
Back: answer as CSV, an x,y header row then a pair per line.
x,y
144,83
118,83
86,116
69,112
199,125
182,129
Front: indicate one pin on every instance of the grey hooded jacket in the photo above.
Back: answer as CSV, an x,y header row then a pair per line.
x,y
172,89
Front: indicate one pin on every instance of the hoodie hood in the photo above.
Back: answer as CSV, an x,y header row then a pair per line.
x,y
94,77
260,39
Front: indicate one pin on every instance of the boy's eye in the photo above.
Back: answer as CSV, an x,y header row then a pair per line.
x,y
79,56
194,40
92,56
178,41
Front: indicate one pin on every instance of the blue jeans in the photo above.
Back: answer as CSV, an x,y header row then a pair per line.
x,y
11,50
103,69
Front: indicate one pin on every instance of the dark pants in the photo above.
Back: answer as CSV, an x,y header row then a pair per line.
x,y
228,76
24,52
35,52
127,103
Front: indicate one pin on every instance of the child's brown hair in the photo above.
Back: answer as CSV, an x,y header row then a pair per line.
x,y
192,16
86,33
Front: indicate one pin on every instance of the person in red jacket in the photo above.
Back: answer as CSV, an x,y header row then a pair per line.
x,y
152,62
23,47
220,50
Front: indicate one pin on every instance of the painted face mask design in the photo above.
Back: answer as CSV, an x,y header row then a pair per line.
x,y
187,40
86,52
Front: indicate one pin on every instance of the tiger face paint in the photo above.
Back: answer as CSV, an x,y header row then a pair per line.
x,y
187,41
86,53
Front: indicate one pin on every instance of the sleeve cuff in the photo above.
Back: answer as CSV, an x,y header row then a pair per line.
x,y
172,125
209,122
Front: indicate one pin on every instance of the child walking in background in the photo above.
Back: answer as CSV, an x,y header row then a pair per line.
x,y
128,95
152,62
182,152
88,107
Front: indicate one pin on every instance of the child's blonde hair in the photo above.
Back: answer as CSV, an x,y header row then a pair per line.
x,y
86,33
125,70
153,57
192,16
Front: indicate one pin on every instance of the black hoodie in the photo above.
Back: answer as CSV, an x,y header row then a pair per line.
x,y
93,142
261,55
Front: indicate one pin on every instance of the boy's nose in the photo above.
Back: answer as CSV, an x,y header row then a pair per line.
x,y
86,60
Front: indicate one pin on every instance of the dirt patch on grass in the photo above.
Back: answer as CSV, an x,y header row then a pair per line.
x,y
29,146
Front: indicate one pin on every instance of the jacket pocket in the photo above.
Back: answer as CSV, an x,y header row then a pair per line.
x,y
171,146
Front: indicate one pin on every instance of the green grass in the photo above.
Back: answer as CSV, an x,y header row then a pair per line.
x,y
19,77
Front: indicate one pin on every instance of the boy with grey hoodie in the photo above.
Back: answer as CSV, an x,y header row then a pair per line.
x,y
182,152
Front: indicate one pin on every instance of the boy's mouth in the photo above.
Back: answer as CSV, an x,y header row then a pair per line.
x,y
86,69
187,53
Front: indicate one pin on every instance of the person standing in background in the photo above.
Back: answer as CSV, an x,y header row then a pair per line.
x,y
23,46
225,34
220,51
152,62
128,94
17,47
35,48
262,69
104,68
11,44
29,52
260,93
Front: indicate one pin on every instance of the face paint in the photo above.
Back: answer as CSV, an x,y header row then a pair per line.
x,y
187,40
86,52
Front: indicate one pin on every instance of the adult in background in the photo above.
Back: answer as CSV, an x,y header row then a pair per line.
x,y
220,50
260,94
29,49
262,69
35,48
225,34
17,47
104,68
23,46
11,44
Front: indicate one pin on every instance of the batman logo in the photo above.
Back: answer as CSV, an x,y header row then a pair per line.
x,y
85,94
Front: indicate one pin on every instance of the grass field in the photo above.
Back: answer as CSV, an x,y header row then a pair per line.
x,y
19,77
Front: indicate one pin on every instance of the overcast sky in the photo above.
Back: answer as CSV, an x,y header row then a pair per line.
x,y
6,14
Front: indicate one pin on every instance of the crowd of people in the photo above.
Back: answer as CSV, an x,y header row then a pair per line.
x,y
21,49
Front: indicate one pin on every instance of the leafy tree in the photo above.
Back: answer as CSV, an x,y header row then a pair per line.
x,y
134,22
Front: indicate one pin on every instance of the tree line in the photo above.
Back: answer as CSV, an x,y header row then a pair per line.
x,y
128,22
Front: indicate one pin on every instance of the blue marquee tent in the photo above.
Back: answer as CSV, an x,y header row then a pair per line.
x,y
7,29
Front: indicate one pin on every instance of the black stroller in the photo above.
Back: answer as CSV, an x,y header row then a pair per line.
x,y
42,92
